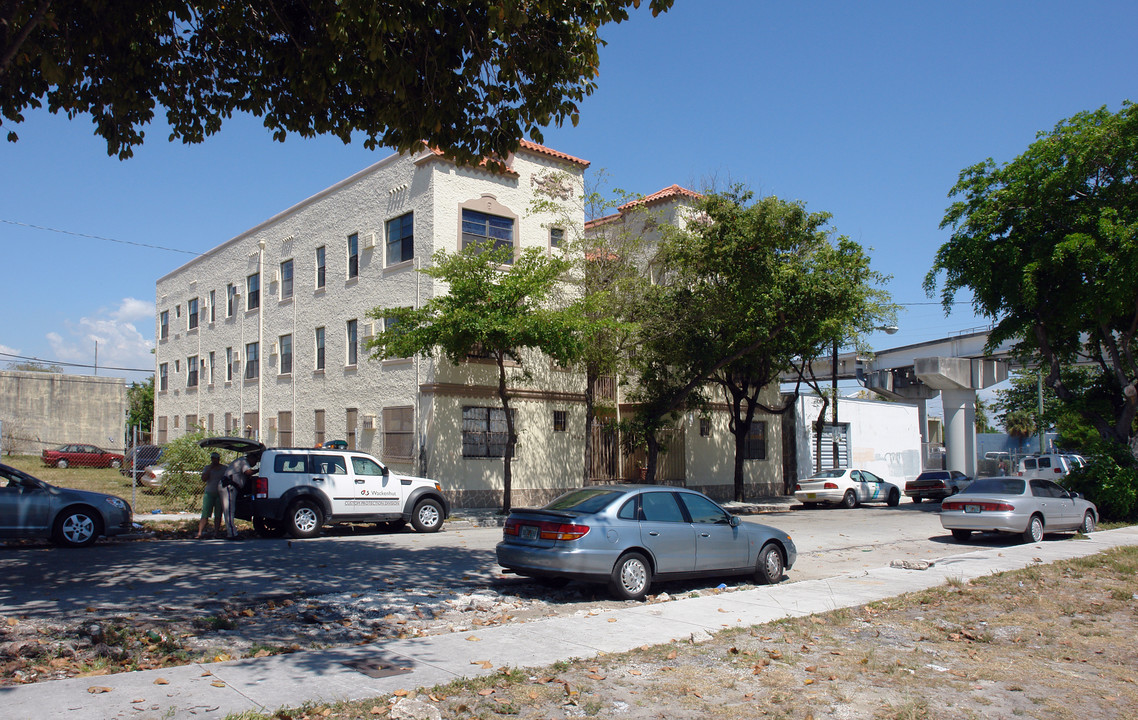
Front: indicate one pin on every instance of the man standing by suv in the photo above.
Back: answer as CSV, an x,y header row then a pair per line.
x,y
212,476
236,477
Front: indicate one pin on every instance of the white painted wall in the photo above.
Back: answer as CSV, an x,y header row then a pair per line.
x,y
884,436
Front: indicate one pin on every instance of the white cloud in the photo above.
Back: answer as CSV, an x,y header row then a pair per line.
x,y
9,351
119,342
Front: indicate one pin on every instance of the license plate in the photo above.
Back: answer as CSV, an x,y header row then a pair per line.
x,y
529,532
971,508
811,496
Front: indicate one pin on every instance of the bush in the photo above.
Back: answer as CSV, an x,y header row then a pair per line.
x,y
1109,480
183,460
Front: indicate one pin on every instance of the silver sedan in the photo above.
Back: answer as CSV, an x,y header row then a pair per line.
x,y
30,507
1016,505
630,535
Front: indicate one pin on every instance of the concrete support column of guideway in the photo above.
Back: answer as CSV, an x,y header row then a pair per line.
x,y
958,379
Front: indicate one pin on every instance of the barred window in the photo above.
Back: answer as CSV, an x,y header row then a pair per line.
x,y
484,432
399,433
755,446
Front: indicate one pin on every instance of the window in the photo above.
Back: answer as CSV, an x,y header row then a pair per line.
x,y
252,425
660,507
286,279
478,227
556,237
702,510
352,416
483,432
755,446
290,464
253,292
212,309
192,423
252,365
284,428
163,377
192,314
318,426
353,346
319,348
559,420
353,255
320,267
704,427
399,432
228,364
329,465
286,354
164,325
366,466
230,297
211,354
162,421
400,239
192,371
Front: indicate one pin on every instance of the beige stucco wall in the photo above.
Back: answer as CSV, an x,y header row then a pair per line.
x,y
42,410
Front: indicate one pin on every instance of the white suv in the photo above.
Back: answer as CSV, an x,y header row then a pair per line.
x,y
298,490
1050,467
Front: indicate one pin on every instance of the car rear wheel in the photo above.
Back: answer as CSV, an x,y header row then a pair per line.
x,y
768,568
631,577
849,500
894,498
427,516
61,463
961,535
76,528
1088,525
1034,531
304,519
267,528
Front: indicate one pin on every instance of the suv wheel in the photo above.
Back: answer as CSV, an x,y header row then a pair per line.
x,y
427,516
304,519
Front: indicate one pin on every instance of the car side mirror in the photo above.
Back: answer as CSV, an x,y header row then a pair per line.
x,y
735,521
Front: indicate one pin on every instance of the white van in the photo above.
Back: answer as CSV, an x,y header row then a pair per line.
x,y
1051,466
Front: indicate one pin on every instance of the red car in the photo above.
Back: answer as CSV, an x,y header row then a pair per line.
x,y
81,456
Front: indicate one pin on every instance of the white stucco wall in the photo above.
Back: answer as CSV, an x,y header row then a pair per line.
x,y
884,436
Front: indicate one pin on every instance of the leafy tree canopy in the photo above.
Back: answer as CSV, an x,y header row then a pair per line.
x,y
140,404
469,77
1048,246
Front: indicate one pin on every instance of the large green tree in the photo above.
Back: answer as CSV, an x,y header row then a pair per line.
x,y
492,309
1048,246
471,77
745,288
140,404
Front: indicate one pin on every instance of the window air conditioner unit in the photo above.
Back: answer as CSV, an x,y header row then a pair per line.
x,y
276,348
368,329
272,423
276,276
369,422
369,241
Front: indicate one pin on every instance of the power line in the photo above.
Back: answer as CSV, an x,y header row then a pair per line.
x,y
61,363
99,237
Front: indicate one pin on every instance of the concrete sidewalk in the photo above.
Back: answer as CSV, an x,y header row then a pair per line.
x,y
218,689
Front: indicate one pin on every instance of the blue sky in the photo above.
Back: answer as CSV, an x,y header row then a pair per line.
x,y
865,110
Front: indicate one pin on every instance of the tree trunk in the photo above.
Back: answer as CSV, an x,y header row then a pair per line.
x,y
653,454
511,435
590,414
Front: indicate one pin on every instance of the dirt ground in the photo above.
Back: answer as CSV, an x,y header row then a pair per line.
x,y
1050,642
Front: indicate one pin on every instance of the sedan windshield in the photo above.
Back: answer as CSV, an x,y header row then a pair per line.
x,y
585,500
996,486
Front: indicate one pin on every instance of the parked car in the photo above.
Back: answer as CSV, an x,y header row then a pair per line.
x,y
334,444
630,536
936,485
140,457
155,476
1051,466
1025,506
32,508
81,456
846,487
298,490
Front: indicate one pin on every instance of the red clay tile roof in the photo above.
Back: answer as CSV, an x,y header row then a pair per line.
x,y
542,150
526,145
668,193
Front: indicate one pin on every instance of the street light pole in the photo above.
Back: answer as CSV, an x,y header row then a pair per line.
x,y
834,411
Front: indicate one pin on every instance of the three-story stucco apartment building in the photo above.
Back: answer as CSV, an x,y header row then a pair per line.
x,y
263,336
